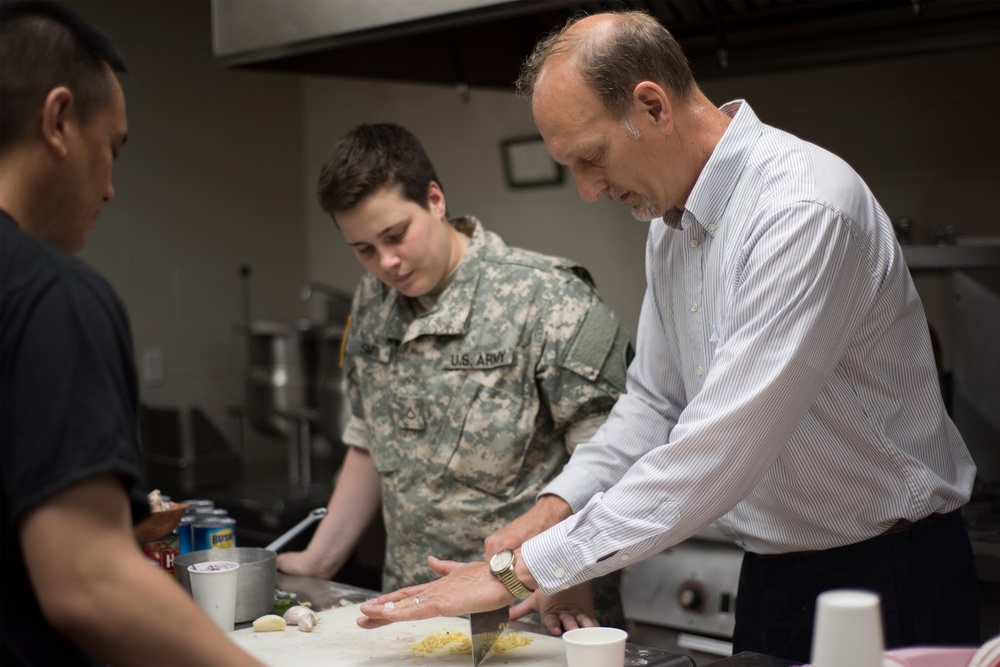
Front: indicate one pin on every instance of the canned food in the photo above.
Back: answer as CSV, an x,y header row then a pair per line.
x,y
162,552
207,511
184,535
199,502
213,533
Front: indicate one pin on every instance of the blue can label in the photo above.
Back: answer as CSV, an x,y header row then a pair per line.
x,y
214,533
185,534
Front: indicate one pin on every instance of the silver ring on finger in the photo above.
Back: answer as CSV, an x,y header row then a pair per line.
x,y
416,600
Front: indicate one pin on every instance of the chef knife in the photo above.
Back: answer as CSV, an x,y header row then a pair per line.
x,y
487,626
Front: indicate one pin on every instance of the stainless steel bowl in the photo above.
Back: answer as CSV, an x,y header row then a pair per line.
x,y
254,578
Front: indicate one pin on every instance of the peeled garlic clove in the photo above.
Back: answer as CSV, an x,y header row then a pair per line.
x,y
306,624
269,623
304,617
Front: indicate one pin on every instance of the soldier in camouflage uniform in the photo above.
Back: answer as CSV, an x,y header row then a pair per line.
x,y
470,384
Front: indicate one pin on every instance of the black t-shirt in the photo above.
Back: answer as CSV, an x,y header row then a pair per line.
x,y
68,406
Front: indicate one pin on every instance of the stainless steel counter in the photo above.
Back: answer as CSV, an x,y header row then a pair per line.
x,y
329,594
748,659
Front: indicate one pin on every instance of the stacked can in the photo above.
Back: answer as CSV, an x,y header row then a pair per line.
x,y
205,526
199,504
162,551
184,529
214,532
184,533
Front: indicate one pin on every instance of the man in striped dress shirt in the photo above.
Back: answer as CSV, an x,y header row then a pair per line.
x,y
783,387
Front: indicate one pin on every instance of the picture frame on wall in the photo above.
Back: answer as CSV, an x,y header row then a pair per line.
x,y
526,163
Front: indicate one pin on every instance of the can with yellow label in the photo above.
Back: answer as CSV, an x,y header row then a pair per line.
x,y
213,532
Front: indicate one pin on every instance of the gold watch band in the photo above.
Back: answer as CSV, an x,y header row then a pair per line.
x,y
512,583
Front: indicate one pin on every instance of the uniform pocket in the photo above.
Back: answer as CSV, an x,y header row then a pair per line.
x,y
491,439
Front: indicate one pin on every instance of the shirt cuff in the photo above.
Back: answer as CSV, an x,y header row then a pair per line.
x,y
546,556
556,565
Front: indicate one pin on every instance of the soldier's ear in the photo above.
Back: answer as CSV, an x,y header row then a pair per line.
x,y
435,200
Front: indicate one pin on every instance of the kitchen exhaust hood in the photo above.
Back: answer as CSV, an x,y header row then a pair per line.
x,y
481,43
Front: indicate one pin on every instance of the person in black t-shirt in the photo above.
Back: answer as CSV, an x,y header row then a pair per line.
x,y
76,588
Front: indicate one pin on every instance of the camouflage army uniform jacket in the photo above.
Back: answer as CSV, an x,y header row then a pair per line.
x,y
465,407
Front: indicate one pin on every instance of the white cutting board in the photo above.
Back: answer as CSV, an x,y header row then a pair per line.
x,y
338,641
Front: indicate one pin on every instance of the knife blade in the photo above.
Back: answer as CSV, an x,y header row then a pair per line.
x,y
486,628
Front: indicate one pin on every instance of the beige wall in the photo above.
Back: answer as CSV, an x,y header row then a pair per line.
x,y
209,180
220,170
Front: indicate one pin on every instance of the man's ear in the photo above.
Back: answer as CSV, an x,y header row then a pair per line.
x,y
651,102
58,118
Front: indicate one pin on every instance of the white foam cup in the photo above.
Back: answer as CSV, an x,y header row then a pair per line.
x,y
595,647
847,630
213,587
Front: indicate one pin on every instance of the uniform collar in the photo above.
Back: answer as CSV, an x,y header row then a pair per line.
x,y
450,317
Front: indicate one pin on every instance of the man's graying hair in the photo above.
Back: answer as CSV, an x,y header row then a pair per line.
x,y
634,48
44,46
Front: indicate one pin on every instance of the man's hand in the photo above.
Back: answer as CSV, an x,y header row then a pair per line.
x,y
547,512
464,588
566,610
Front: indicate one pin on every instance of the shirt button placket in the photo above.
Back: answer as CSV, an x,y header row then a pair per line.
x,y
694,286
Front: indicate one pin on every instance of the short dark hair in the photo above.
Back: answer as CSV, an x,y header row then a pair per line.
x,y
43,46
370,157
635,48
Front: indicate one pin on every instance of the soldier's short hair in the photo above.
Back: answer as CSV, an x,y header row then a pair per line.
x,y
44,46
369,158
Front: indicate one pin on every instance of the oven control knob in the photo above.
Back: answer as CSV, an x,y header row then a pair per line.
x,y
691,596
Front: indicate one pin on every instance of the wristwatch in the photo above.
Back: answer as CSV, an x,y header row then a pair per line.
x,y
502,567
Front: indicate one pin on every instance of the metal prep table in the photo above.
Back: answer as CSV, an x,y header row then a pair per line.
x,y
748,659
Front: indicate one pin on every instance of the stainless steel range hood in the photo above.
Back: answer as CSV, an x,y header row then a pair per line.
x,y
439,41
483,42
251,30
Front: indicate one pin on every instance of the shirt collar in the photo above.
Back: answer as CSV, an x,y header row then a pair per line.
x,y
714,187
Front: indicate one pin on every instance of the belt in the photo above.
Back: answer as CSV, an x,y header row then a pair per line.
x,y
904,525
900,526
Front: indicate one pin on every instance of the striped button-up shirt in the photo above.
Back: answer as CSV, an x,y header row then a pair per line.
x,y
784,385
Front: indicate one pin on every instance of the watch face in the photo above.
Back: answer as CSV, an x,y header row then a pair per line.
x,y
502,560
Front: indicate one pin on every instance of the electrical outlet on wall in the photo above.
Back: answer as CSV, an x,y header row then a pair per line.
x,y
153,371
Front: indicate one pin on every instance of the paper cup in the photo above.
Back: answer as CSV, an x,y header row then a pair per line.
x,y
213,587
848,630
595,647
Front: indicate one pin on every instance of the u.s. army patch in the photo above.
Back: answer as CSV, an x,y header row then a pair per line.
x,y
479,359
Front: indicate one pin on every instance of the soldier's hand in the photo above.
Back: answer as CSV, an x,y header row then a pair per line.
x,y
566,610
547,512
